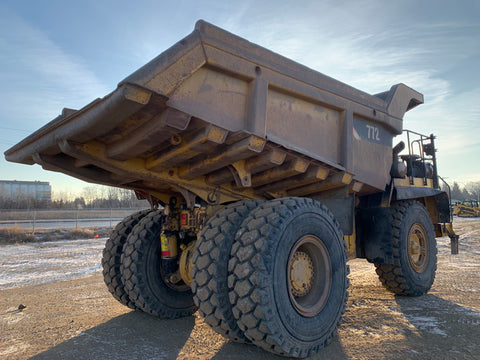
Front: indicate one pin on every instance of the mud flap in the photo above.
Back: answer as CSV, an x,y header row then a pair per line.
x,y
447,229
374,235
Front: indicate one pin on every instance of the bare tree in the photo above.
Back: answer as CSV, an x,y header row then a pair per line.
x,y
473,189
90,193
456,192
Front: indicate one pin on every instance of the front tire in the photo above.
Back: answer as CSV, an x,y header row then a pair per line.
x,y
143,276
414,251
289,277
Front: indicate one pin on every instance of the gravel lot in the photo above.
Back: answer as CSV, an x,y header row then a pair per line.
x,y
69,314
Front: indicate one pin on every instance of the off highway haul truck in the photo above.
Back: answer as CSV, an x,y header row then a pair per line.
x,y
263,177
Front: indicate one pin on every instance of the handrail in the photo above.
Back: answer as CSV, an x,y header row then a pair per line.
x,y
449,197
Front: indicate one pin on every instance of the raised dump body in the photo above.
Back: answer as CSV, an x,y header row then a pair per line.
x,y
225,119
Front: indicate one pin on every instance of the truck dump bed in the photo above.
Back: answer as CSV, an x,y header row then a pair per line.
x,y
218,117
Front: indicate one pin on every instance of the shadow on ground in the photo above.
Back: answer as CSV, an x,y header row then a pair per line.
x,y
235,351
139,336
440,329
130,336
426,327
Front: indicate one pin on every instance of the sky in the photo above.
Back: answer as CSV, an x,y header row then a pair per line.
x,y
57,53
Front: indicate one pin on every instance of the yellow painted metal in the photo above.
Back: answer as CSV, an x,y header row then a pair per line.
x,y
278,156
188,149
164,244
357,186
244,169
335,180
185,263
168,245
137,139
448,229
235,152
417,246
94,153
309,274
243,176
139,95
322,173
313,174
169,74
216,134
292,168
301,274
350,241
417,182
347,178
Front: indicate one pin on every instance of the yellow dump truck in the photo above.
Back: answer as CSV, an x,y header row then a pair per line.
x,y
263,178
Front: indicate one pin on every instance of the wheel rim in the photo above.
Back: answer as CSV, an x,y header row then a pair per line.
x,y
309,274
417,248
160,274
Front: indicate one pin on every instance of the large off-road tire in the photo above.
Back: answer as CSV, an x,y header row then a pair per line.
x,y
143,277
210,268
288,276
111,260
414,251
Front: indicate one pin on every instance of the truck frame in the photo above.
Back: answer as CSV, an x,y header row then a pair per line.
x,y
263,178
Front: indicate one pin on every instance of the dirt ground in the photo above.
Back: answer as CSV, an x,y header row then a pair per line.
x,y
79,319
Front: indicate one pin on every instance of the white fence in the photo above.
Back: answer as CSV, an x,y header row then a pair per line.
x,y
63,218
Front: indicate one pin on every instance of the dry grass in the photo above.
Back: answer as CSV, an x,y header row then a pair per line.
x,y
17,235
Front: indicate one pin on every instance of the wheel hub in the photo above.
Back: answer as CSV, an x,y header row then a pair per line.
x,y
417,248
309,275
301,274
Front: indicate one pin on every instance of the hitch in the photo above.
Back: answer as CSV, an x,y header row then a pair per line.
x,y
448,230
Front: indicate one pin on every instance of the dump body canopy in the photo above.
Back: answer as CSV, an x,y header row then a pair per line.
x,y
218,117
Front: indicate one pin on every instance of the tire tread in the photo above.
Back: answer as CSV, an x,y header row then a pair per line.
x,y
249,276
134,259
210,269
393,277
111,259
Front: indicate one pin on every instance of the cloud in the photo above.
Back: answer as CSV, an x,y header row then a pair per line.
x,y
39,78
374,52
370,45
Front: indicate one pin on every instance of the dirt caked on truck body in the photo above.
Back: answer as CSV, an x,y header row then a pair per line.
x,y
263,177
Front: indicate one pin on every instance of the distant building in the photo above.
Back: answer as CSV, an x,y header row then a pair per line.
x,y
39,190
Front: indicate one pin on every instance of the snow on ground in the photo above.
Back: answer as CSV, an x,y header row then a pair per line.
x,y
47,262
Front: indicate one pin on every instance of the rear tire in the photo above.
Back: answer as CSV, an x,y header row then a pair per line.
x,y
414,251
210,268
289,277
111,260
143,276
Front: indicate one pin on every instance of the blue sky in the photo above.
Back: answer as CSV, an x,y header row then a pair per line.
x,y
56,54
